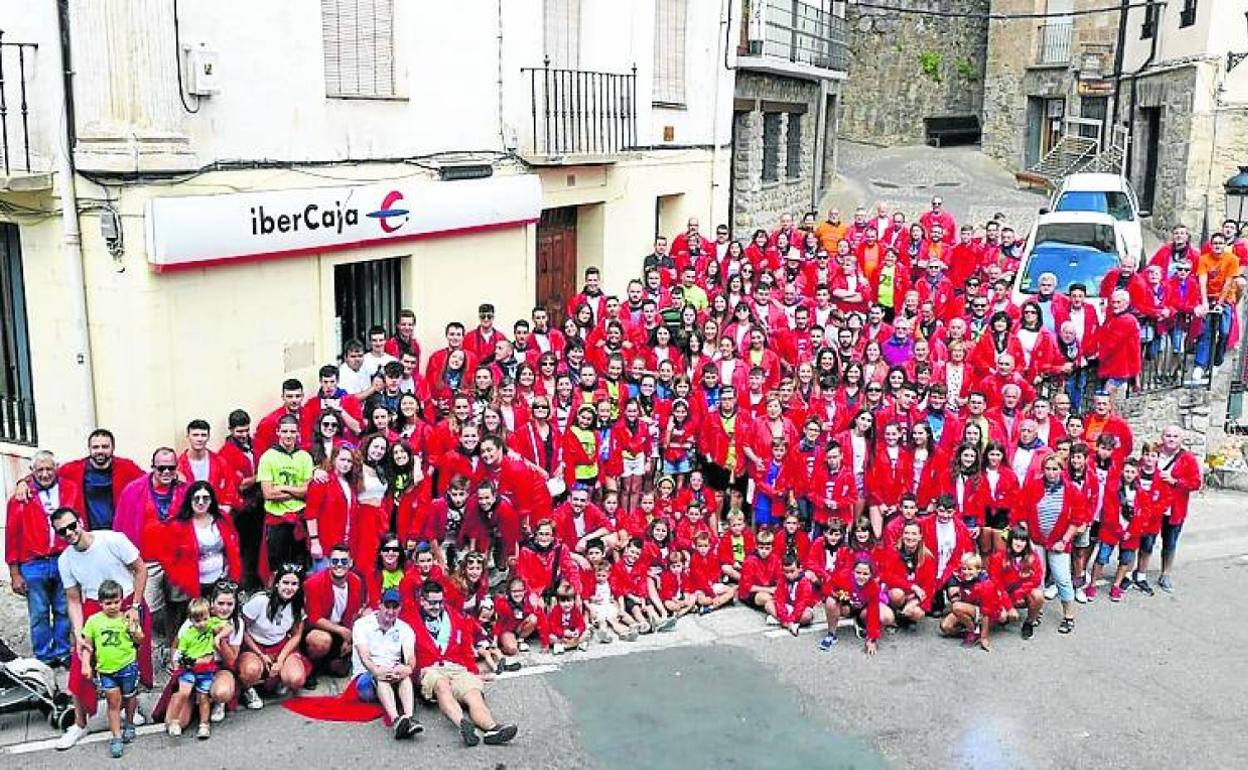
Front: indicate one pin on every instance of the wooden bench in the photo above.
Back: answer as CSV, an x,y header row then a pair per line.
x,y
952,129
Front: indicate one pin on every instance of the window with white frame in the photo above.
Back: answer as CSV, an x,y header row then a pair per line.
x,y
358,38
561,29
669,52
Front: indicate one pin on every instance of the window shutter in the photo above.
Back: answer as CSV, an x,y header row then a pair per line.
x,y
358,38
562,33
669,52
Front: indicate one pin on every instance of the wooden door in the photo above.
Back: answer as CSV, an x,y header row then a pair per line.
x,y
556,261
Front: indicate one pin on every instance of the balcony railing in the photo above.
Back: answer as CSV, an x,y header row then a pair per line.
x,y
578,112
1055,37
797,32
15,61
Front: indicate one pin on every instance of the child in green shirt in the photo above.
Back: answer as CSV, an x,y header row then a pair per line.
x,y
197,647
109,652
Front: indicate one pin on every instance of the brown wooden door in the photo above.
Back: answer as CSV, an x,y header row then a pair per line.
x,y
556,261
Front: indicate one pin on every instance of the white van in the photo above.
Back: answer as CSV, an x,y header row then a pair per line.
x,y
1108,194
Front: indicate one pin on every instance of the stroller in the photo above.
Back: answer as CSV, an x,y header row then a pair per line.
x,y
27,684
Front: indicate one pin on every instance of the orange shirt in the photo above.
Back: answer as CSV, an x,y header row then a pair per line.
x,y
1218,269
829,235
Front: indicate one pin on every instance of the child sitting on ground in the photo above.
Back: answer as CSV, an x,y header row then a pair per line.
x,y
565,622
485,640
734,546
704,572
197,643
109,653
604,612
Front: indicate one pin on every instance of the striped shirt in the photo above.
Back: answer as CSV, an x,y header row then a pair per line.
x,y
1049,509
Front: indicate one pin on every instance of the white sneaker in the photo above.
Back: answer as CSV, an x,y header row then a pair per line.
x,y
139,720
523,646
251,699
770,621
70,737
556,648
218,712
174,729
1081,596
1050,593
1198,374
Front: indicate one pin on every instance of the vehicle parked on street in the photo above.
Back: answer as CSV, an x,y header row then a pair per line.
x,y
1108,194
1076,246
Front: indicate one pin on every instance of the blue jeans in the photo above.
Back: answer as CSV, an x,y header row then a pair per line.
x,y
48,611
125,679
1207,348
1076,384
1059,568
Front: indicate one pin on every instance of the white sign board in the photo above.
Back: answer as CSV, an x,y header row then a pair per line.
x,y
203,230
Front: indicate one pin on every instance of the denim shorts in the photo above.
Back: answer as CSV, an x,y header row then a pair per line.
x,y
125,679
202,681
1125,555
1169,538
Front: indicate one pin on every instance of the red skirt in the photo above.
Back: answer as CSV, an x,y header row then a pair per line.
x,y
82,688
371,522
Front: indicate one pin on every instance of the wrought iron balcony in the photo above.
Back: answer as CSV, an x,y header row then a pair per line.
x,y
580,112
16,61
799,33
1055,42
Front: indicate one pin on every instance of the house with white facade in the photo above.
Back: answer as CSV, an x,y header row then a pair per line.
x,y
219,195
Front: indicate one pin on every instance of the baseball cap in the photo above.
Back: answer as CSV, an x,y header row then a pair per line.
x,y
391,596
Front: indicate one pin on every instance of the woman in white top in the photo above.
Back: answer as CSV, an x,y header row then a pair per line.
x,y
224,606
273,631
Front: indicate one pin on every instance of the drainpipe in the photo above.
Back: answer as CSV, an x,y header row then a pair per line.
x,y
1118,55
83,380
725,19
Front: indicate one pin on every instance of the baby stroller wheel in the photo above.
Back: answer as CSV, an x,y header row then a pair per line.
x,y
61,716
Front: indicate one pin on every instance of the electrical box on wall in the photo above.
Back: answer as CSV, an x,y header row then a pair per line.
x,y
202,78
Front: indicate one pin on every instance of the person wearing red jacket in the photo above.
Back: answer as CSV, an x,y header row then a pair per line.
x,y
827,555
1104,422
436,367
977,606
909,574
734,546
197,546
544,561
948,539
793,603
327,638
101,476
578,521
448,669
759,573
520,617
890,475
1052,509
31,548
1018,572
1126,277
791,538
774,483
631,585
1178,249
1117,344
722,438
199,463
833,490
292,404
1179,471
856,592
677,590
329,510
565,623
1131,511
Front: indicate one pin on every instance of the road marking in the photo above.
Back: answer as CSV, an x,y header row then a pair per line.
x,y
97,737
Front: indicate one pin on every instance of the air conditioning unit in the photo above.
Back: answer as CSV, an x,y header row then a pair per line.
x,y
202,77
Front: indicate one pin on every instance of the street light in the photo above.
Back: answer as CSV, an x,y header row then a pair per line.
x,y
1236,189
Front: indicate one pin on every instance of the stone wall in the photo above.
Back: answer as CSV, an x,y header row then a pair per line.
x,y
1149,413
756,203
905,67
1172,92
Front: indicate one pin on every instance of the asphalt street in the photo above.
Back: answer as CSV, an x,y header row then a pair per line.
x,y
1148,683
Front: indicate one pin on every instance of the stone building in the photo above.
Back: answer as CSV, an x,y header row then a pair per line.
x,y
1039,72
1187,111
790,68
906,67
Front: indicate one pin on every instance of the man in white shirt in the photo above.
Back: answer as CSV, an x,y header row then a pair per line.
x,y
376,357
90,559
385,656
353,377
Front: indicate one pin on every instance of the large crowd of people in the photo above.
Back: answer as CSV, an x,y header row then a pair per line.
x,y
831,421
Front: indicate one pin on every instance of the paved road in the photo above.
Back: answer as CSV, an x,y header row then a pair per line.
x,y
973,186
1152,682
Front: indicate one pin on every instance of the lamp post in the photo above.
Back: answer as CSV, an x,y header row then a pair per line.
x,y
1236,189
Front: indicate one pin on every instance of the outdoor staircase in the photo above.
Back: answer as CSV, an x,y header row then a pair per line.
x,y
1071,154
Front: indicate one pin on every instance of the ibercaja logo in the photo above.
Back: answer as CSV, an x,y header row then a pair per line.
x,y
391,216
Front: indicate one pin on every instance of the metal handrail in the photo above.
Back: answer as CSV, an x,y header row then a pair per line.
x,y
22,50
577,112
796,31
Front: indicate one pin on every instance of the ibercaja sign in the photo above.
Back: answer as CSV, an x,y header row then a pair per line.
x,y
204,230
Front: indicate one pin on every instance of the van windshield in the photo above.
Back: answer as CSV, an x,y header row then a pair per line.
x,y
1092,235
1070,263
1114,203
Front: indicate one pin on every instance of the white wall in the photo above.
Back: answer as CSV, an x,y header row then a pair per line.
x,y
35,23
1220,27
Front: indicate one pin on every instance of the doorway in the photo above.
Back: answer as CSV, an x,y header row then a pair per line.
x,y
1151,118
829,145
366,294
556,261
